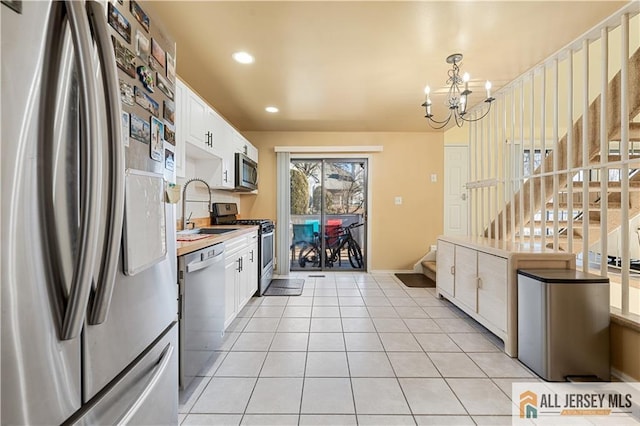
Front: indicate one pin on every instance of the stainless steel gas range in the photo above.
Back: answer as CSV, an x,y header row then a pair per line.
x,y
226,214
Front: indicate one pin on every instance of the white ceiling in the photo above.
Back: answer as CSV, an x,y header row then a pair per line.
x,y
359,65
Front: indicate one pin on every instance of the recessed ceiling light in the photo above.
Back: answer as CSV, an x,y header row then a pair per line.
x,y
271,109
243,57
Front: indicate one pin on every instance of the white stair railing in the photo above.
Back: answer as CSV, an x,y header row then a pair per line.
x,y
535,114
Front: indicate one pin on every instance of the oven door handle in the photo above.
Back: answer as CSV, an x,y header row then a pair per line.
x,y
202,264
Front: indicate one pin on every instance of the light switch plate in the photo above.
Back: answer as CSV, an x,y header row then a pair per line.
x,y
398,201
434,177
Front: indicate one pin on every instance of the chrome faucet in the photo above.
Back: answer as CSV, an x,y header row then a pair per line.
x,y
186,221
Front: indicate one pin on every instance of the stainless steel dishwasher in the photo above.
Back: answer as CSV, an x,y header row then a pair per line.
x,y
201,310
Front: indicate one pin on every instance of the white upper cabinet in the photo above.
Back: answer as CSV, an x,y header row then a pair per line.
x,y
242,145
208,140
219,137
198,128
221,134
252,152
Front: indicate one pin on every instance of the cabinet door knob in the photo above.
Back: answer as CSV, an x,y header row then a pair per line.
x,y
479,281
453,270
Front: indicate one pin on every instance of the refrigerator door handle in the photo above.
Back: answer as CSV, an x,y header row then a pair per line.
x,y
156,373
106,276
78,297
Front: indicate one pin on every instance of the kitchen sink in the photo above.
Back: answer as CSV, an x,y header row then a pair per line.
x,y
209,231
216,230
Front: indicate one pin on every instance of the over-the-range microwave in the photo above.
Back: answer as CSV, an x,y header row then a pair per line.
x,y
246,173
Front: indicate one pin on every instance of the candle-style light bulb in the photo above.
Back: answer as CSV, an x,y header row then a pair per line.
x,y
487,86
465,79
427,102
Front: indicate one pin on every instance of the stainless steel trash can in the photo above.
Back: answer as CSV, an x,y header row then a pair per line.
x,y
563,323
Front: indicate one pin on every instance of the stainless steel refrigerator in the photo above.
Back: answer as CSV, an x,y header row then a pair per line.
x,y
89,288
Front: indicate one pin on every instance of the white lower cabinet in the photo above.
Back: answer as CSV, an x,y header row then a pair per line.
x,y
492,289
231,278
475,280
445,266
466,277
252,266
479,275
240,274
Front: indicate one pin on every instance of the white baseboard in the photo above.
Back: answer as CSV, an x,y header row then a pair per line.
x,y
622,376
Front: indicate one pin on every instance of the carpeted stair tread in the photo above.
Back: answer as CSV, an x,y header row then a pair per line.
x,y
429,269
430,265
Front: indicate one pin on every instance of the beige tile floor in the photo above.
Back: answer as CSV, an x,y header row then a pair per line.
x,y
355,349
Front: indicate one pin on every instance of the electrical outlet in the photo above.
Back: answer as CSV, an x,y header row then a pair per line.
x,y
398,201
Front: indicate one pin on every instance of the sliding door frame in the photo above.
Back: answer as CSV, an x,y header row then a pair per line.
x,y
284,238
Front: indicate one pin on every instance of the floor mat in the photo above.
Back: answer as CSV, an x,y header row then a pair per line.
x,y
415,280
284,287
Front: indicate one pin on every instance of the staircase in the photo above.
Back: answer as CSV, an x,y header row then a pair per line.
x,y
613,188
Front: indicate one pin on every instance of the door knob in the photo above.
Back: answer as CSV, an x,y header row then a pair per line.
x,y
463,196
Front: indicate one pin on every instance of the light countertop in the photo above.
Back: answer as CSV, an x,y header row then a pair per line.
x,y
186,247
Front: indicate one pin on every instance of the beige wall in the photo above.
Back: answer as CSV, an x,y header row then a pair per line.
x,y
400,235
459,135
625,349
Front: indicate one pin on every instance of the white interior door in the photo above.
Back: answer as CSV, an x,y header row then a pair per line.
x,y
456,169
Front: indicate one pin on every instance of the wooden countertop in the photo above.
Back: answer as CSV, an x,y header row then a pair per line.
x,y
186,247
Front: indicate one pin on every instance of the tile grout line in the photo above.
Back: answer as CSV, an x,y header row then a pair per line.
x,y
255,384
377,332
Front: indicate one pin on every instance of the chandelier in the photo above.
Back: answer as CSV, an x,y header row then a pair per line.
x,y
457,99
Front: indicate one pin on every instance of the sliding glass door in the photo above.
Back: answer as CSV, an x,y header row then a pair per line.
x,y
328,214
